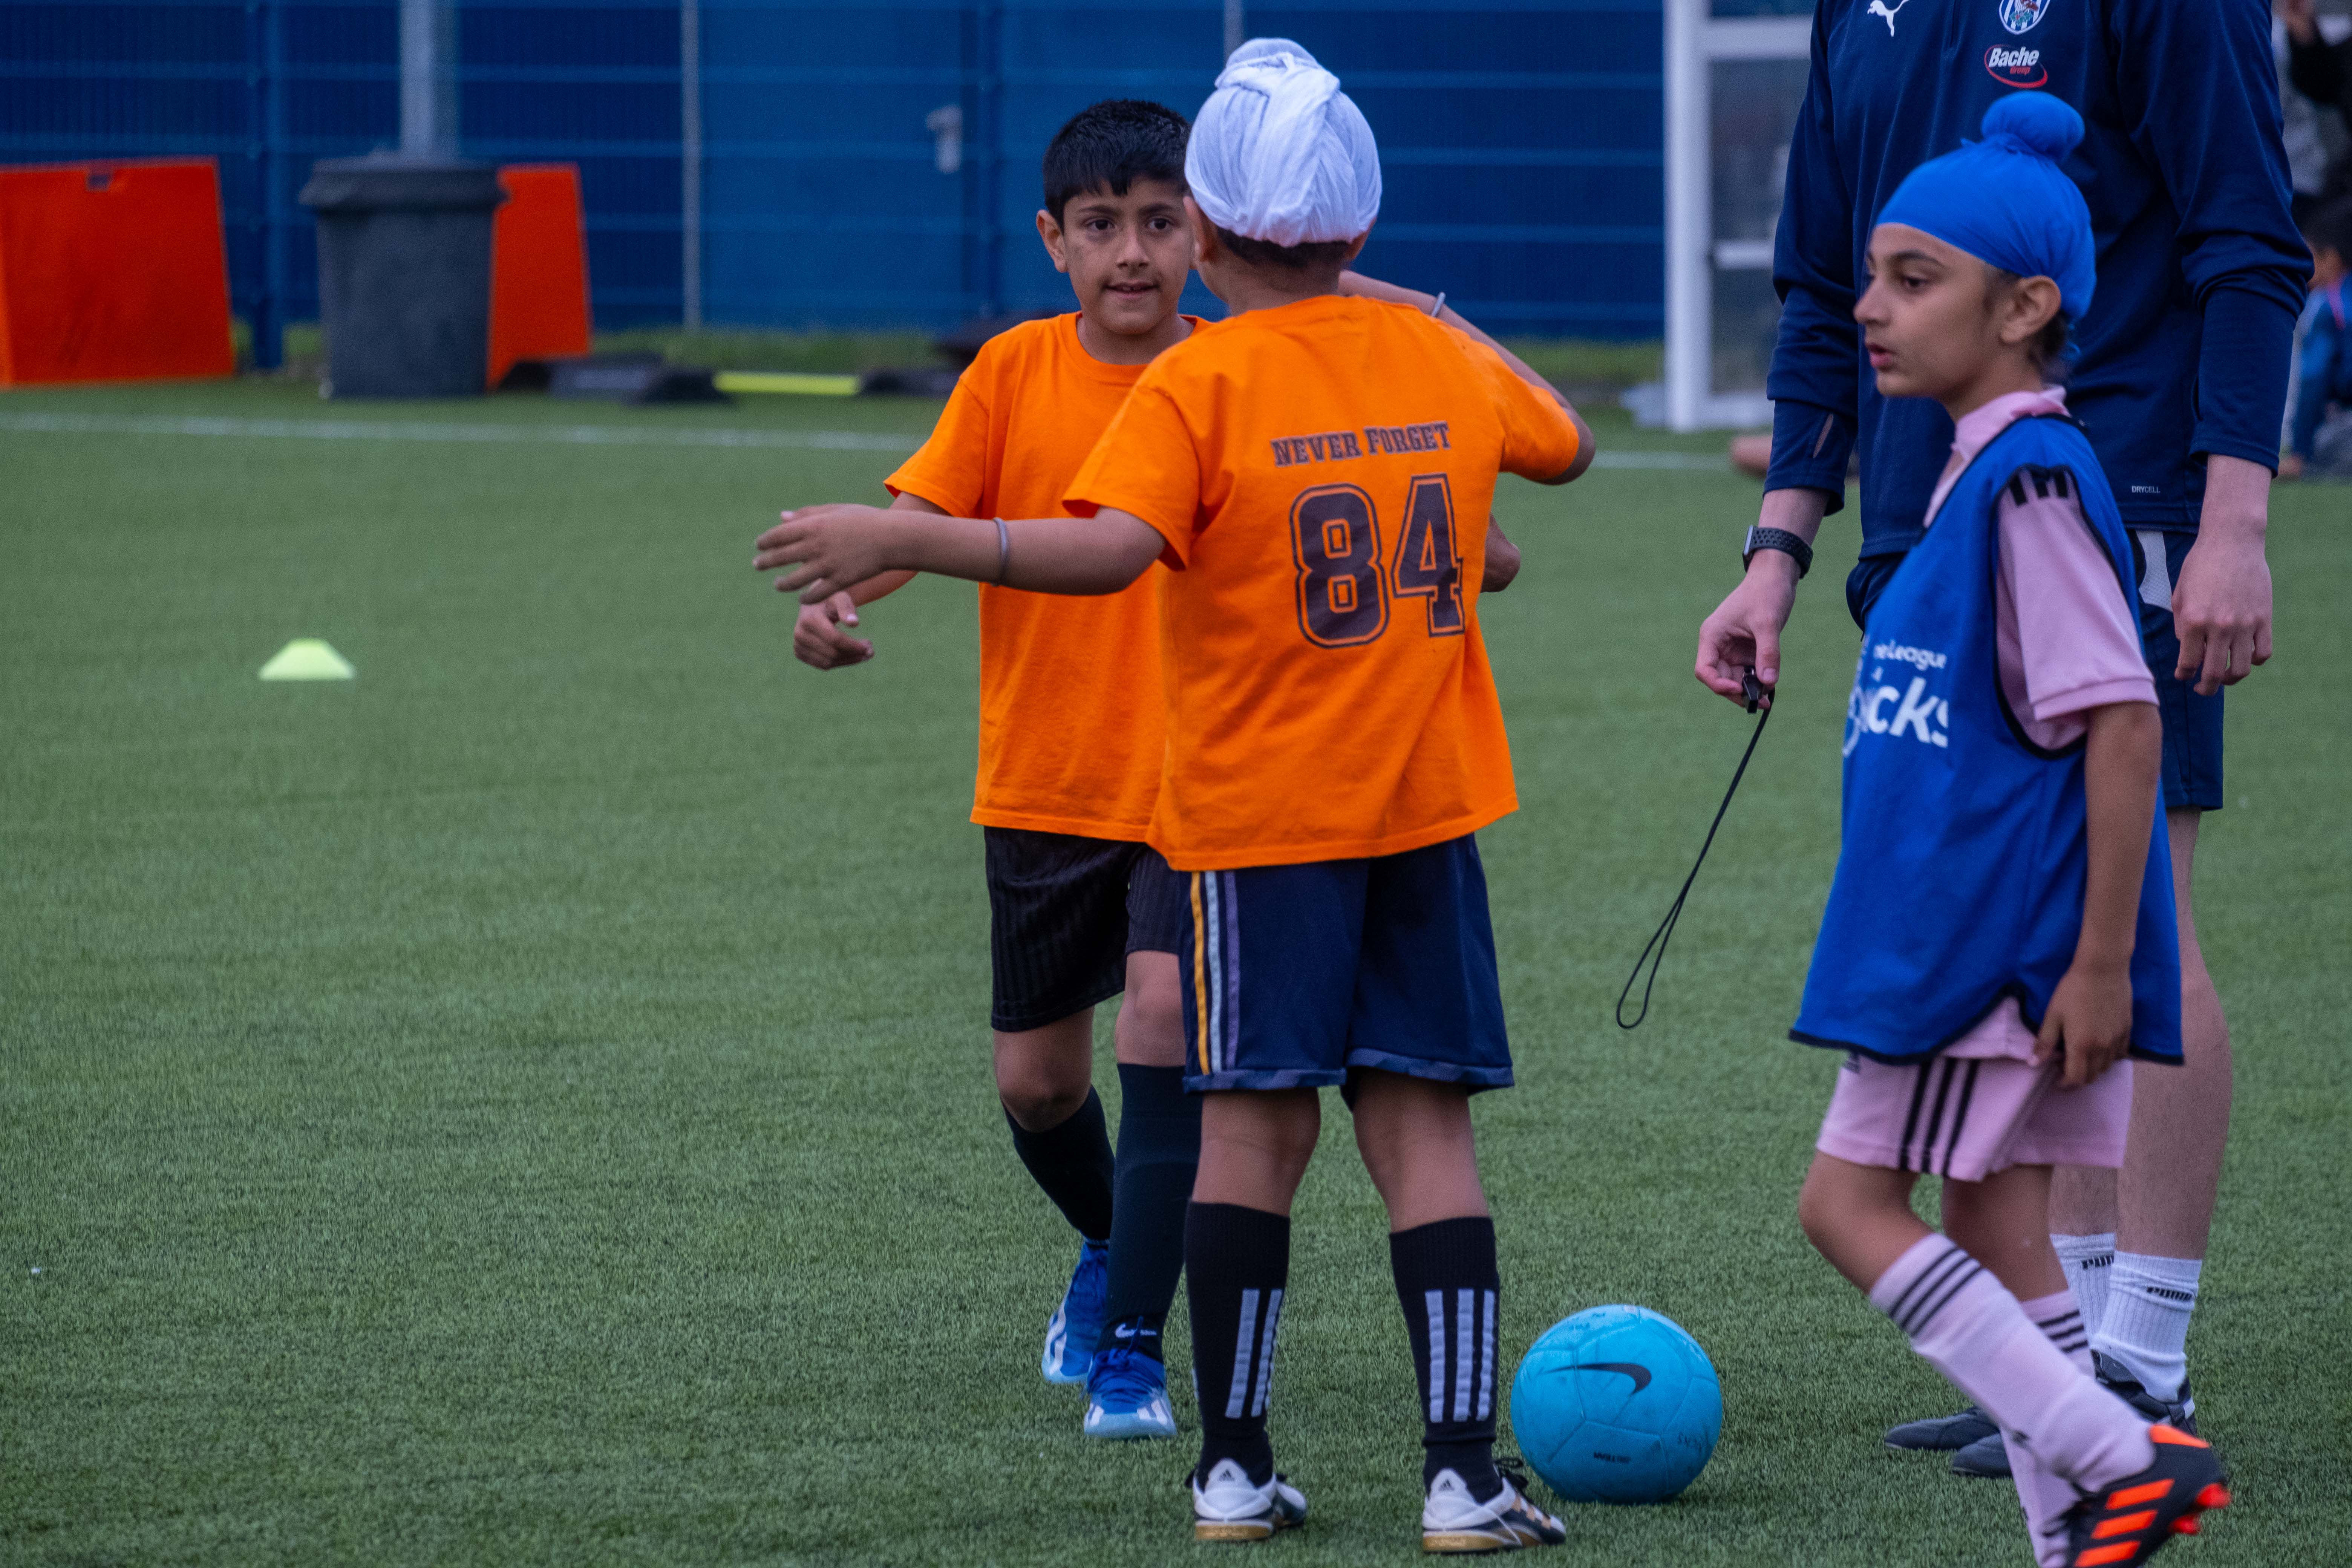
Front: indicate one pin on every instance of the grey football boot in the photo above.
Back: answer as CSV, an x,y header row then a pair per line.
x,y
1942,1432
1987,1457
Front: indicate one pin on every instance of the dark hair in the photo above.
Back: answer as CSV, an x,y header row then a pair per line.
x,y
2049,348
1111,145
1314,256
2330,228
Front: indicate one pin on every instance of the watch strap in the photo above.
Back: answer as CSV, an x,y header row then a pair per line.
x,y
1779,539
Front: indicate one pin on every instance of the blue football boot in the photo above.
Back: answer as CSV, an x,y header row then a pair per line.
x,y
1127,1396
1076,1323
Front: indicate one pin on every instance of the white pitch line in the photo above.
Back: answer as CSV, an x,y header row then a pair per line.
x,y
425,430
1683,462
29,424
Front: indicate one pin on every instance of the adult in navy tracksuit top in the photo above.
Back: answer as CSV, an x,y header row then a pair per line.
x,y
2179,383
2182,359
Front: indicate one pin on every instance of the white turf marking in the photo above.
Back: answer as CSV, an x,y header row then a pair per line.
x,y
1684,462
583,436
424,430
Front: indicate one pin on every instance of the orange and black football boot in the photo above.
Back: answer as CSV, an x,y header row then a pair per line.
x,y
2127,1523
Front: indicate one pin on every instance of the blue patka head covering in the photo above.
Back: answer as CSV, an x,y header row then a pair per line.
x,y
2004,200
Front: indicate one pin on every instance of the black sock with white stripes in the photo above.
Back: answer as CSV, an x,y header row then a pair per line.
x,y
1447,1283
1236,1262
1072,1161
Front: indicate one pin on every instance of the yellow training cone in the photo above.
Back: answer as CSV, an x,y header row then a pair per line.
x,y
308,659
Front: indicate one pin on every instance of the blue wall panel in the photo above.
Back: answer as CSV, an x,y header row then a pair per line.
x,y
263,87
595,84
1521,139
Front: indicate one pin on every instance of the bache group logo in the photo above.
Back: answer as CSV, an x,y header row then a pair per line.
x,y
2019,67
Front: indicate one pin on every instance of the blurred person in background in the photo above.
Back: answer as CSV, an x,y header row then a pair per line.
x,y
2320,69
2319,426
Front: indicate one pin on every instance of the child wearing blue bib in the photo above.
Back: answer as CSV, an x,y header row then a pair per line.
x,y
1999,934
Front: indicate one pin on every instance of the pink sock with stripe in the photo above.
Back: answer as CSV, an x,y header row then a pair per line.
x,y
1969,1327
2045,1494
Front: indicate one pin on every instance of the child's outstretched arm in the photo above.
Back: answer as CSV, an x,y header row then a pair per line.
x,y
1358,284
818,639
2089,1020
831,547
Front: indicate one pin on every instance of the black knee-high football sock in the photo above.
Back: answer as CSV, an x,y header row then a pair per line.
x,y
1071,1160
1158,1148
1236,1262
1447,1284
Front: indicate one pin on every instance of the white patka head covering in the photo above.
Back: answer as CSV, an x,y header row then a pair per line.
x,y
1280,153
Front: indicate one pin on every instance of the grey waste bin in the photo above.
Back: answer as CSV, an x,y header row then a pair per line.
x,y
405,274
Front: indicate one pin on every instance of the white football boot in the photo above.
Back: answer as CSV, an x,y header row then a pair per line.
x,y
1231,1507
1454,1520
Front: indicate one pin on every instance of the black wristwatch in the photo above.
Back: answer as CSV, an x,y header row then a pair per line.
x,y
1777,539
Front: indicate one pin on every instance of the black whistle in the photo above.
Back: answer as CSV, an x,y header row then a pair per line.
x,y
1751,690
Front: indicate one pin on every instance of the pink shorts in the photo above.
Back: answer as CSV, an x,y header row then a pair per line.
x,y
1966,1117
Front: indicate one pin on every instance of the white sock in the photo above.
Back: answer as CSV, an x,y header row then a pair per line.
x,y
2046,1494
2146,1325
1969,1327
2089,1262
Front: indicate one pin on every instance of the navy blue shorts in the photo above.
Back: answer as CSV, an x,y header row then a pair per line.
x,y
2192,724
1063,913
1299,975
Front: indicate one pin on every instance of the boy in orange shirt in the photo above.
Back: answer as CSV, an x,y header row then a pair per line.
x,y
1071,734
1334,740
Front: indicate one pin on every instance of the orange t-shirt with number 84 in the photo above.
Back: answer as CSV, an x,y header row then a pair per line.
x,y
1322,473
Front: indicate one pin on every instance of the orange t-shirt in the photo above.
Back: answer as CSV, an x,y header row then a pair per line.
x,y
1072,724
1322,473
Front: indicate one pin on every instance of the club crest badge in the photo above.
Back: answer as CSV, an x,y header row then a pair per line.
x,y
2022,15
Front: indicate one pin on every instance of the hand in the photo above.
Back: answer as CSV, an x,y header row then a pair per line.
x,y
2221,601
2300,18
1502,561
2089,1021
831,547
1356,285
818,640
1746,628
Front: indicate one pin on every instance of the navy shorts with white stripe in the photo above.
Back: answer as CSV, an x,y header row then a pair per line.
x,y
1298,976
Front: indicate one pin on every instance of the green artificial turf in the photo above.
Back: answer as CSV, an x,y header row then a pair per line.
x,y
531,1103
1600,368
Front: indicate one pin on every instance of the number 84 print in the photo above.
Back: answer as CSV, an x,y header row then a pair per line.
x,y
1344,586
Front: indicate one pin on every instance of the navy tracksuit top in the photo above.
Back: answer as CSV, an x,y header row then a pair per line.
x,y
2185,349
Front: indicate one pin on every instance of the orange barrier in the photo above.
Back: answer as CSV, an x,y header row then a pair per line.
x,y
538,268
112,272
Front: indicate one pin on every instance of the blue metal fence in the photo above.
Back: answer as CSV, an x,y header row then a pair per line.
x,y
1520,138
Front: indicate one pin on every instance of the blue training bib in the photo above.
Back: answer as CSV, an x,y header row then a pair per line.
x,y
1965,846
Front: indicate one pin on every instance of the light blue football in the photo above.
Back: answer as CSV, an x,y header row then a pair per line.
x,y
1616,1405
